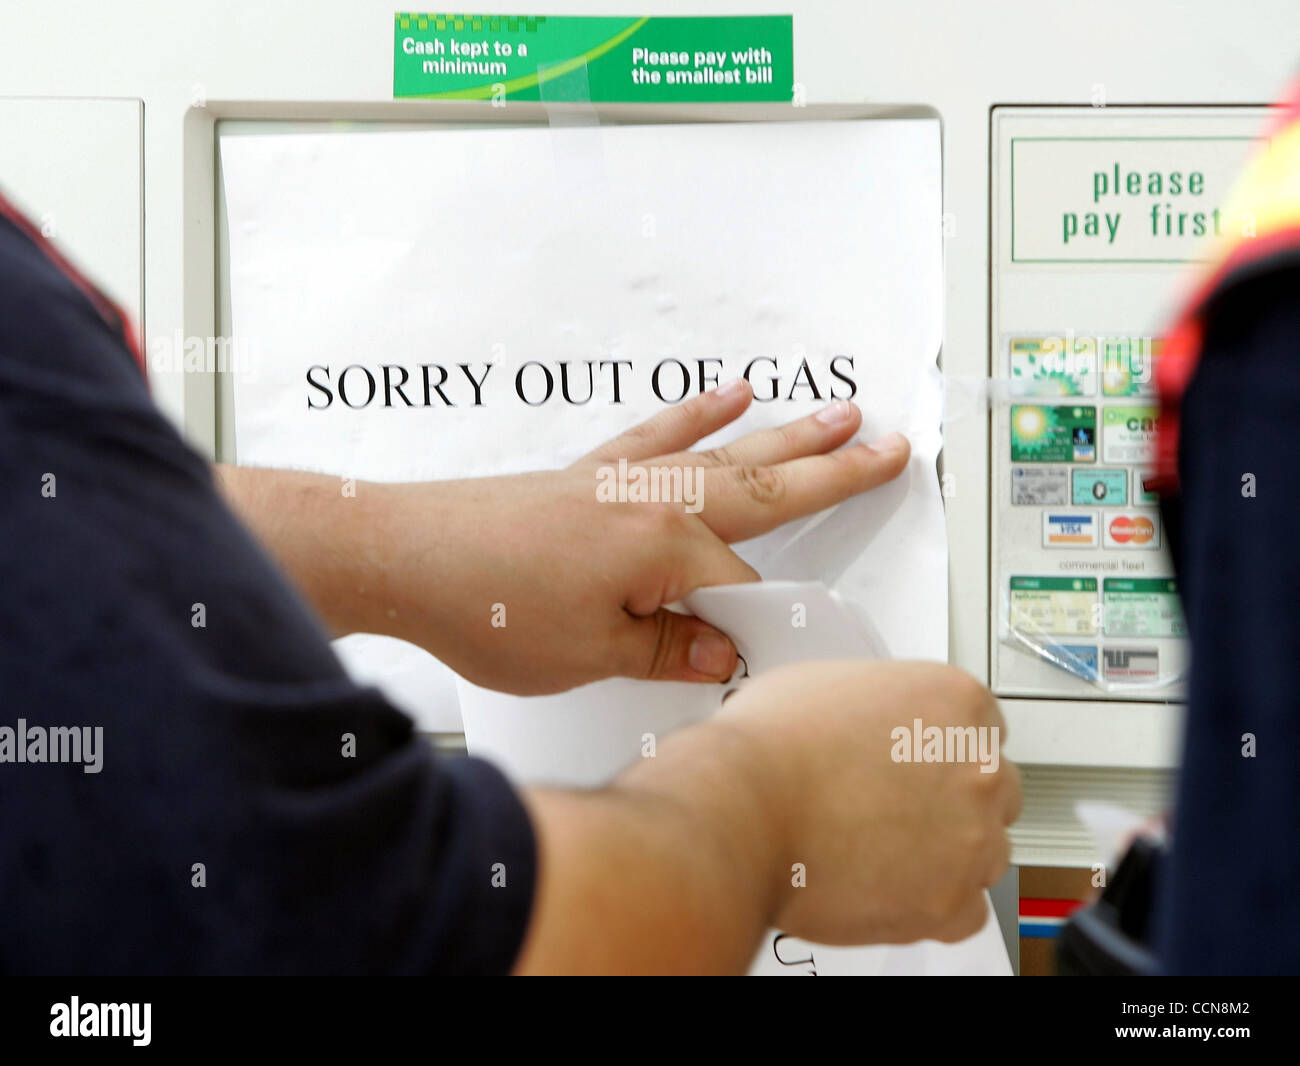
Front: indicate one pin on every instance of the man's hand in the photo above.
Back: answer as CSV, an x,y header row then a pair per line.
x,y
534,583
892,851
689,856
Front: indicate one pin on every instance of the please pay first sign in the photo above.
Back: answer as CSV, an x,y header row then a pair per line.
x,y
1121,199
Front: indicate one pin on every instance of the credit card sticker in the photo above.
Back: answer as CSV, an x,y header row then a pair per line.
x,y
1138,530
1142,607
1044,485
1128,365
1069,529
1077,659
1128,434
1131,664
1056,606
1064,434
1141,475
1054,366
1108,487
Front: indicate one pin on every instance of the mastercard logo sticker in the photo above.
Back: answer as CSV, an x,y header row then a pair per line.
x,y
1135,530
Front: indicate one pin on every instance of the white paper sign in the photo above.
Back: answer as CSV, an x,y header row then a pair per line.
x,y
628,264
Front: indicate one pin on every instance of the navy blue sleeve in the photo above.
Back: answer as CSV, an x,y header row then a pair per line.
x,y
189,781
1229,901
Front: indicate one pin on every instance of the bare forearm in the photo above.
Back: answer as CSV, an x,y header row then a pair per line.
x,y
325,532
674,869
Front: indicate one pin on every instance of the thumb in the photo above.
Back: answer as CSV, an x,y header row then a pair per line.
x,y
667,646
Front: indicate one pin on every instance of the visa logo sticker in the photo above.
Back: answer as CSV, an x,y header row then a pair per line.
x,y
1069,530
1134,529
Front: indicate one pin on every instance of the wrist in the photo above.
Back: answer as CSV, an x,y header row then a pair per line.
x,y
721,779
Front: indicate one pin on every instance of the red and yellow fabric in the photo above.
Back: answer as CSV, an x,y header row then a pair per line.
x,y
114,317
1261,233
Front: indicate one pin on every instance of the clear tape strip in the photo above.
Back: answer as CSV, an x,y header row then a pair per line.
x,y
566,96
967,397
577,146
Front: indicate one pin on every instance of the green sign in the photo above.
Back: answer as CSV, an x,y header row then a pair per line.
x,y
1143,607
700,59
1054,584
